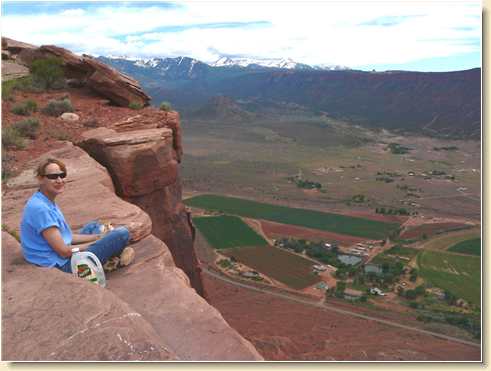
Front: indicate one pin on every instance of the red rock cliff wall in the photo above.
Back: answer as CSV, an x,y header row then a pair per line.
x,y
142,155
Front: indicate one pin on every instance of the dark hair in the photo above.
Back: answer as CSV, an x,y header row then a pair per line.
x,y
41,170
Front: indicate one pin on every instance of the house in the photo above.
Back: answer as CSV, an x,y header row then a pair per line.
x,y
319,267
376,291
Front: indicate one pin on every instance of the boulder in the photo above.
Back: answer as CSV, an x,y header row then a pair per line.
x,y
70,117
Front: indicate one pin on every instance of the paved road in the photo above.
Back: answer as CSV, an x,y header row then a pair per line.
x,y
322,305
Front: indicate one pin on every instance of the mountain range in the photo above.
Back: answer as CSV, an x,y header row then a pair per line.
x,y
442,104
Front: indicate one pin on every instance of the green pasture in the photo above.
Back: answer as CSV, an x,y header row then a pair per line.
x,y
461,275
445,241
471,247
302,217
402,251
223,232
285,267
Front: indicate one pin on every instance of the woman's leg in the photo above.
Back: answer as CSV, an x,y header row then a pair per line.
x,y
93,227
111,244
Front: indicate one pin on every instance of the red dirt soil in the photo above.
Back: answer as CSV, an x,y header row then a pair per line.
x,y
93,110
430,229
274,230
285,330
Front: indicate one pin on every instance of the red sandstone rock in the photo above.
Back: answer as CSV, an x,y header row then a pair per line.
x,y
75,320
142,161
48,315
186,322
117,87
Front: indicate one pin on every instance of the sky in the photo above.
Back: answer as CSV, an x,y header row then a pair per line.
x,y
431,35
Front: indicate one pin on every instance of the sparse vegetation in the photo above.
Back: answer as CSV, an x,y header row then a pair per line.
x,y
12,138
398,149
165,106
10,231
25,108
135,106
304,183
56,107
28,128
10,86
47,73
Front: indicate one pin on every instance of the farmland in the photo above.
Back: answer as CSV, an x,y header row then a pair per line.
x,y
471,247
302,217
225,231
450,239
289,269
461,275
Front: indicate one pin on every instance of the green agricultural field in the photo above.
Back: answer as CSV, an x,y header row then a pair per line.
x,y
337,223
458,274
450,239
223,232
471,247
290,269
402,251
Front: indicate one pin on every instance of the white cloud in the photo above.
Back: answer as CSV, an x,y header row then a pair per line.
x,y
315,32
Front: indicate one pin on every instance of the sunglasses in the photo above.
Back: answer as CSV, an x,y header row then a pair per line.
x,y
55,176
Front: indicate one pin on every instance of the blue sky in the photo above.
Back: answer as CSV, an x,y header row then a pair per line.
x,y
433,35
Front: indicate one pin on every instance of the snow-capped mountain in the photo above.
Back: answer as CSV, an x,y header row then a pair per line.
x,y
286,63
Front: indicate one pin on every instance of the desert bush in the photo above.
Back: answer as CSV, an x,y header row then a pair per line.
x,y
47,73
59,134
25,108
10,86
27,128
135,106
57,107
165,106
12,138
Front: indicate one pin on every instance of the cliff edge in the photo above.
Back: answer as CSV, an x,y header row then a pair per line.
x,y
126,171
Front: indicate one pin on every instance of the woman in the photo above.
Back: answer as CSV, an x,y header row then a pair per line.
x,y
47,239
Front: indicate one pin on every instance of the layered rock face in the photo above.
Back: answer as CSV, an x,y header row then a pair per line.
x,y
142,155
148,311
82,70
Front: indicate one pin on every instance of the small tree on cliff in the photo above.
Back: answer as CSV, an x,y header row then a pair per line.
x,y
47,73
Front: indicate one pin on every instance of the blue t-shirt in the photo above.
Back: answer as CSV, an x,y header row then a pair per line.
x,y
39,214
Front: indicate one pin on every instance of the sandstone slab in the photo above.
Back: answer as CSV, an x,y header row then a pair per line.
x,y
48,315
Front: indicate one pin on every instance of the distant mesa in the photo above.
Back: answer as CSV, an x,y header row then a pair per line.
x,y
223,108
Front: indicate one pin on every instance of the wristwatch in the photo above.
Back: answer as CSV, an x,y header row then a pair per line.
x,y
75,249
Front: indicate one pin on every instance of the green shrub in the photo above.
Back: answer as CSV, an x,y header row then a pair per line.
x,y
57,107
11,138
47,73
27,128
6,164
135,106
59,134
25,108
165,106
8,87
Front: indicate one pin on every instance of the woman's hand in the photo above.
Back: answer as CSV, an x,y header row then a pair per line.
x,y
84,238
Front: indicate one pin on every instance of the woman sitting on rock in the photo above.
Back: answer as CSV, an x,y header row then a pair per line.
x,y
47,239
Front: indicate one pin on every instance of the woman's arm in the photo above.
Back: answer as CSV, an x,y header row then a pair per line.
x,y
53,236
84,238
